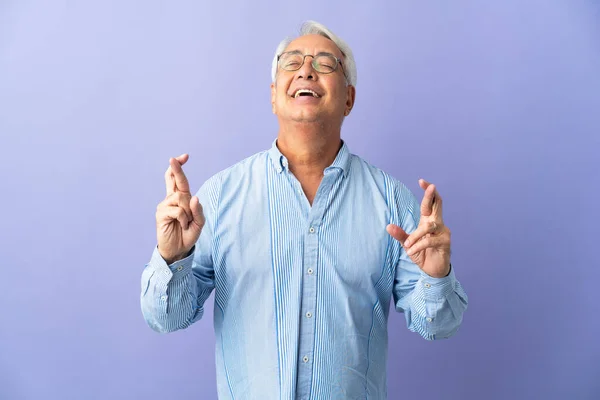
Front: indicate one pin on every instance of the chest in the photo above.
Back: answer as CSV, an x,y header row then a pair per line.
x,y
276,231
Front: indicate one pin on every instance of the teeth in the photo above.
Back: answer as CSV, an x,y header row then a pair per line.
x,y
300,91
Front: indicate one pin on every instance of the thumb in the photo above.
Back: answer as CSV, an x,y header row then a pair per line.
x,y
397,233
197,214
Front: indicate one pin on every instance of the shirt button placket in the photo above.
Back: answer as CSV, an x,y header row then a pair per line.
x,y
307,325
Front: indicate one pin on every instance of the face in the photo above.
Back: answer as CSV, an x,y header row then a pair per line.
x,y
334,99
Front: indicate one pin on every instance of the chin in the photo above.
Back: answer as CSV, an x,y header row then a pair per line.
x,y
306,120
306,117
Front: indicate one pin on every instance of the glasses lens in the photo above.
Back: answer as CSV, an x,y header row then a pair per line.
x,y
325,63
290,61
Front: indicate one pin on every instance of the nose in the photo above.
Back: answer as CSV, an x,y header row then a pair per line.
x,y
307,71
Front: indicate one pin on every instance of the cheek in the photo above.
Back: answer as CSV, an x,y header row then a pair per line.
x,y
280,93
281,99
337,90
339,99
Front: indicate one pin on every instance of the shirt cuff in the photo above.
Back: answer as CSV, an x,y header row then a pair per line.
x,y
436,288
176,270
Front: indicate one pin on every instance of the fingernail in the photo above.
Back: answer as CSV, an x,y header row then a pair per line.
x,y
407,243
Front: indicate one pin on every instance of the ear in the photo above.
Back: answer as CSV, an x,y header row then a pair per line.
x,y
350,97
273,96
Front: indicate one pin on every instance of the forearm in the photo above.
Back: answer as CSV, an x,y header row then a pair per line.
x,y
435,307
169,297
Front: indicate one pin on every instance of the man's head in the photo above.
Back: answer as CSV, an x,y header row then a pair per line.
x,y
314,77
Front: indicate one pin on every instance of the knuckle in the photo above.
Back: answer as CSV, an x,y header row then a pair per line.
x,y
160,206
174,197
185,197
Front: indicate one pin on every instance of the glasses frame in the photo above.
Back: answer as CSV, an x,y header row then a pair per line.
x,y
337,62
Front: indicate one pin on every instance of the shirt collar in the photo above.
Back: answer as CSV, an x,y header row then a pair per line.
x,y
280,162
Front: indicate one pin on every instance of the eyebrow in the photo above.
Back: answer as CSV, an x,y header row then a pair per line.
x,y
321,53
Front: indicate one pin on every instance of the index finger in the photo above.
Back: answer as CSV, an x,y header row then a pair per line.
x,y
181,182
432,201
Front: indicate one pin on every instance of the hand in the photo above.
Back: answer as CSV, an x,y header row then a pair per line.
x,y
179,217
429,245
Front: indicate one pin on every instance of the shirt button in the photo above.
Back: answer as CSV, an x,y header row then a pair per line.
x,y
305,359
279,169
163,298
310,271
429,319
180,268
311,230
308,314
427,285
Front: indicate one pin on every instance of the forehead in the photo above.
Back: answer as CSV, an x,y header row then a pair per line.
x,y
313,44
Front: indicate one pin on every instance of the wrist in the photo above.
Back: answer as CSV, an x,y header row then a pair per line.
x,y
178,257
444,273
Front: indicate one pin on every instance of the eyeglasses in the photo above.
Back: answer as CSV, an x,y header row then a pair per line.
x,y
323,63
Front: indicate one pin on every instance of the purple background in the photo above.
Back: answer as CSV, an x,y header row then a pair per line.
x,y
496,102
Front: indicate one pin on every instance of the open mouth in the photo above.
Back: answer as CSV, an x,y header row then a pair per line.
x,y
305,92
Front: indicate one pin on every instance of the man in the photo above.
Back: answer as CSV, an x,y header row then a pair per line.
x,y
305,245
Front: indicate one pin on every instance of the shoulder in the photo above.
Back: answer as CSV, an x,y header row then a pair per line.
x,y
389,182
234,174
397,195
241,168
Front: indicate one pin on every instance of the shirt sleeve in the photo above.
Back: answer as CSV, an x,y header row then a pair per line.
x,y
433,307
173,296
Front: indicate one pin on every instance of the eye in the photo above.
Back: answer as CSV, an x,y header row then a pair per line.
x,y
326,63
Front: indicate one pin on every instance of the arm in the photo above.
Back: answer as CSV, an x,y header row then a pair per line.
x,y
433,306
173,295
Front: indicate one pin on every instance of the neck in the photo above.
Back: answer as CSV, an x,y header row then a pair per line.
x,y
310,147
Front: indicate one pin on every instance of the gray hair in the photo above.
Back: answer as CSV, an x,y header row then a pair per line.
x,y
315,28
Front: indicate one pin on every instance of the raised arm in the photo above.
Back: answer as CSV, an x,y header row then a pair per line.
x,y
180,276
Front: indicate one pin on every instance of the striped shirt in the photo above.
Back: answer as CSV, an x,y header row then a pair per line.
x,y
302,292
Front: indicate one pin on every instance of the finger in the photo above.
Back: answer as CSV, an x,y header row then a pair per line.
x,y
396,232
423,183
436,208
181,182
426,243
170,213
183,158
170,181
197,213
428,201
430,227
180,199
437,205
